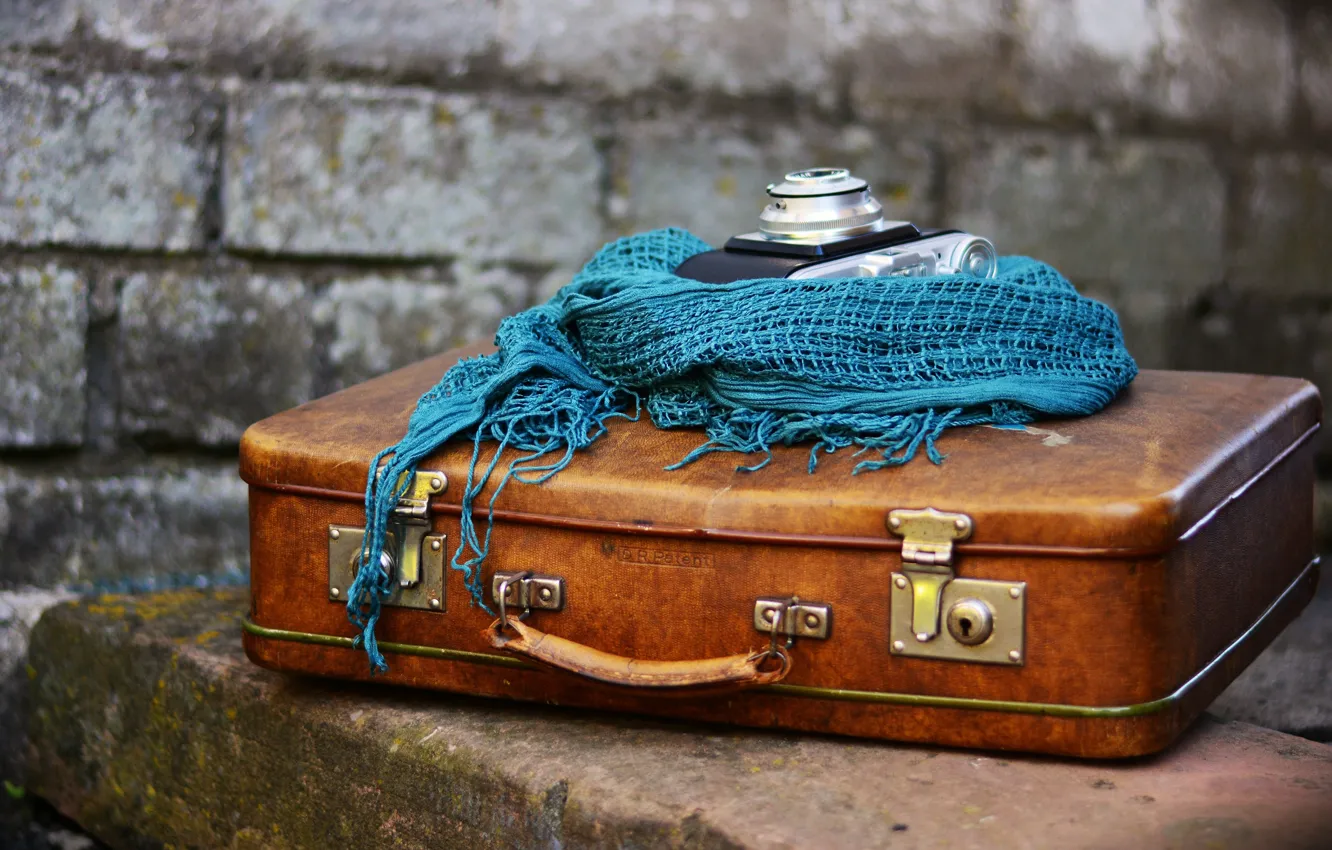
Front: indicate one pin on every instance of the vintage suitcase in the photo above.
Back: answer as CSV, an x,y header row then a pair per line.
x,y
1084,587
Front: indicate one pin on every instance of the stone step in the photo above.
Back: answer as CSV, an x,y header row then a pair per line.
x,y
150,728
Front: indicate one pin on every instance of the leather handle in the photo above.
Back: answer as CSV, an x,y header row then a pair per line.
x,y
733,671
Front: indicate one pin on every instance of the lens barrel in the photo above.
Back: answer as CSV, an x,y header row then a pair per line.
x,y
817,204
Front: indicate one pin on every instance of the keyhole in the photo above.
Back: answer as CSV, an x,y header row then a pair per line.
x,y
970,622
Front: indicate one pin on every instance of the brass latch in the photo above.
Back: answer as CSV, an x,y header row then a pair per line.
x,y
412,556
411,518
985,619
927,560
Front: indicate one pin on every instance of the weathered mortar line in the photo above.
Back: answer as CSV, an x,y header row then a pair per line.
x,y
89,252
342,262
1146,128
1301,111
318,270
162,445
938,188
85,53
1237,180
607,144
258,259
68,462
55,455
73,66
212,215
843,110
102,367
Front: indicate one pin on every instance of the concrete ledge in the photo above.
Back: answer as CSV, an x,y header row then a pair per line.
x,y
150,728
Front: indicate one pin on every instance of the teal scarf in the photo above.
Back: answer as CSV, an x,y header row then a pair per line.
x,y
884,363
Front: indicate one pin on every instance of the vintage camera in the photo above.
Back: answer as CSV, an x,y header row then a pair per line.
x,y
823,222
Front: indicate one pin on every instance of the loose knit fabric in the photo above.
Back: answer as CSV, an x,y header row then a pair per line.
x,y
885,364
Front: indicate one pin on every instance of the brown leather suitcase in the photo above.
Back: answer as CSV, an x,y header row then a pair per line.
x,y
1085,587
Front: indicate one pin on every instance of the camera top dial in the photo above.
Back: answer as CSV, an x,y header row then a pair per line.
x,y
818,204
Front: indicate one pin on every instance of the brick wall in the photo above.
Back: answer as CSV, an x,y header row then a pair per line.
x,y
212,210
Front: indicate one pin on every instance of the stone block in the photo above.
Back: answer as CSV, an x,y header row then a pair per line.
x,y
1144,316
1226,330
1314,45
396,37
932,52
140,529
40,526
618,48
1179,61
351,171
19,611
184,526
114,162
1135,213
43,320
709,175
1087,57
149,726
1230,67
1289,686
204,354
44,24
1285,212
370,325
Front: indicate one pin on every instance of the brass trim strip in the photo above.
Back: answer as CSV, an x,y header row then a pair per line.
x,y
387,646
776,538
881,697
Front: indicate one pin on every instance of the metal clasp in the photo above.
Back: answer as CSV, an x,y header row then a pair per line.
x,y
780,617
412,554
411,519
792,617
789,617
501,593
927,560
528,591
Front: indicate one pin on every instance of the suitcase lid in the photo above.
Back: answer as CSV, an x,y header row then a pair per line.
x,y
1133,479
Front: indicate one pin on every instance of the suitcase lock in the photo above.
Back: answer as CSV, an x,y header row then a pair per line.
x,y
411,553
984,621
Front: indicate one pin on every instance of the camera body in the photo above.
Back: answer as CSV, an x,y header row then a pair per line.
x,y
824,223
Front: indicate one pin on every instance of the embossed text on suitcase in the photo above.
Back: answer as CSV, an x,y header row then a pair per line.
x,y
1085,587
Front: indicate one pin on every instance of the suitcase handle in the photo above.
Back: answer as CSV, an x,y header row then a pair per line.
x,y
734,671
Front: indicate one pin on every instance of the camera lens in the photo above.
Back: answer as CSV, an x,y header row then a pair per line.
x,y
819,204
976,257
818,175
